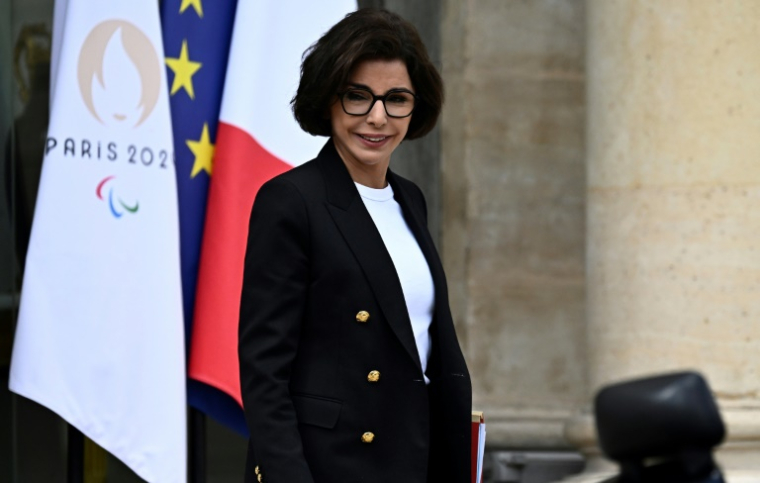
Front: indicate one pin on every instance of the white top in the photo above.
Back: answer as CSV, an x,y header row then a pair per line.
x,y
410,263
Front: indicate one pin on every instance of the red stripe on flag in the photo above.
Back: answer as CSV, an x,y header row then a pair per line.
x,y
241,166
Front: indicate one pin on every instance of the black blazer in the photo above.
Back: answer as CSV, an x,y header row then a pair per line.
x,y
314,261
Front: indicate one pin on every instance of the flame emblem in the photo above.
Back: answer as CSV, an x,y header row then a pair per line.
x,y
119,73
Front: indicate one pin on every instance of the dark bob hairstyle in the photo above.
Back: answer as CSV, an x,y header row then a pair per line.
x,y
367,34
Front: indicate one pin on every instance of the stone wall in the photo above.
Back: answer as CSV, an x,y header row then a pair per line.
x,y
673,181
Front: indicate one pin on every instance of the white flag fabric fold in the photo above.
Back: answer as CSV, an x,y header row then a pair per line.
x,y
100,333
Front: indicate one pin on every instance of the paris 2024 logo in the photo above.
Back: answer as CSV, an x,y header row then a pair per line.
x,y
118,73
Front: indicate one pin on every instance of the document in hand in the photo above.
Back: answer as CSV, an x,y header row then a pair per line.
x,y
478,445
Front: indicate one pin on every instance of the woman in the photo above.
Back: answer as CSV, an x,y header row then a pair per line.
x,y
350,366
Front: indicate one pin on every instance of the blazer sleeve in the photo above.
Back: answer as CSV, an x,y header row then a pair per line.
x,y
275,282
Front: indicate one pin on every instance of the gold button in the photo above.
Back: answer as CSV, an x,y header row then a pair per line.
x,y
362,316
368,437
373,376
260,478
256,470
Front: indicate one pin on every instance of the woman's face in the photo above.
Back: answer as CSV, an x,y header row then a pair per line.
x,y
366,142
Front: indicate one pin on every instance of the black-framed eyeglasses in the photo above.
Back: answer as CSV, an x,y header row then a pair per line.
x,y
357,101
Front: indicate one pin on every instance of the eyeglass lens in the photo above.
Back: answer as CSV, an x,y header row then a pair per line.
x,y
358,102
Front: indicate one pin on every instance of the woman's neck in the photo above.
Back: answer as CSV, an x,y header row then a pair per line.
x,y
372,176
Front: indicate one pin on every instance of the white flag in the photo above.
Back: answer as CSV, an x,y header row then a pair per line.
x,y
100,336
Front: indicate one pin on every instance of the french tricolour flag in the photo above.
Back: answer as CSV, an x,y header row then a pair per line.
x,y
257,139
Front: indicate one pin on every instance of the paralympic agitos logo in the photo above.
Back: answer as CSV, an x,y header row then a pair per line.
x,y
116,204
118,74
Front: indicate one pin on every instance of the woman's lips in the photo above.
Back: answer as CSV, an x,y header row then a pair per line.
x,y
373,140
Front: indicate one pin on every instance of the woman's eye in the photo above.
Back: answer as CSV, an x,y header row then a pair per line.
x,y
398,99
357,96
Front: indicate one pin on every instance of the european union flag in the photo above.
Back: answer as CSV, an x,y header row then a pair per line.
x,y
197,38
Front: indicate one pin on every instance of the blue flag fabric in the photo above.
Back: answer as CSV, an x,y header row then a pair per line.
x,y
197,36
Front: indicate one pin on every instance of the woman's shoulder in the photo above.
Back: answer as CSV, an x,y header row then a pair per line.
x,y
286,196
303,179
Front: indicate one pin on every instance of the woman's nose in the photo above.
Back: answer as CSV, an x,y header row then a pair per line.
x,y
377,116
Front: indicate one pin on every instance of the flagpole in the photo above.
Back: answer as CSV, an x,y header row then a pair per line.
x,y
75,456
196,446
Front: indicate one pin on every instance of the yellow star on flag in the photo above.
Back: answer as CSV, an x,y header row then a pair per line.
x,y
196,4
184,69
203,151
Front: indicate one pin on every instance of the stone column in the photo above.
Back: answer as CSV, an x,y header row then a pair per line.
x,y
673,205
513,189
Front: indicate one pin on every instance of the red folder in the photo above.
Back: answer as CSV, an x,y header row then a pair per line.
x,y
478,445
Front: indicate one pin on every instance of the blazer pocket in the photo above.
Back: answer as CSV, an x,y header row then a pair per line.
x,y
317,411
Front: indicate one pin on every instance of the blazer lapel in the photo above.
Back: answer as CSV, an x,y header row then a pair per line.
x,y
356,225
416,222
